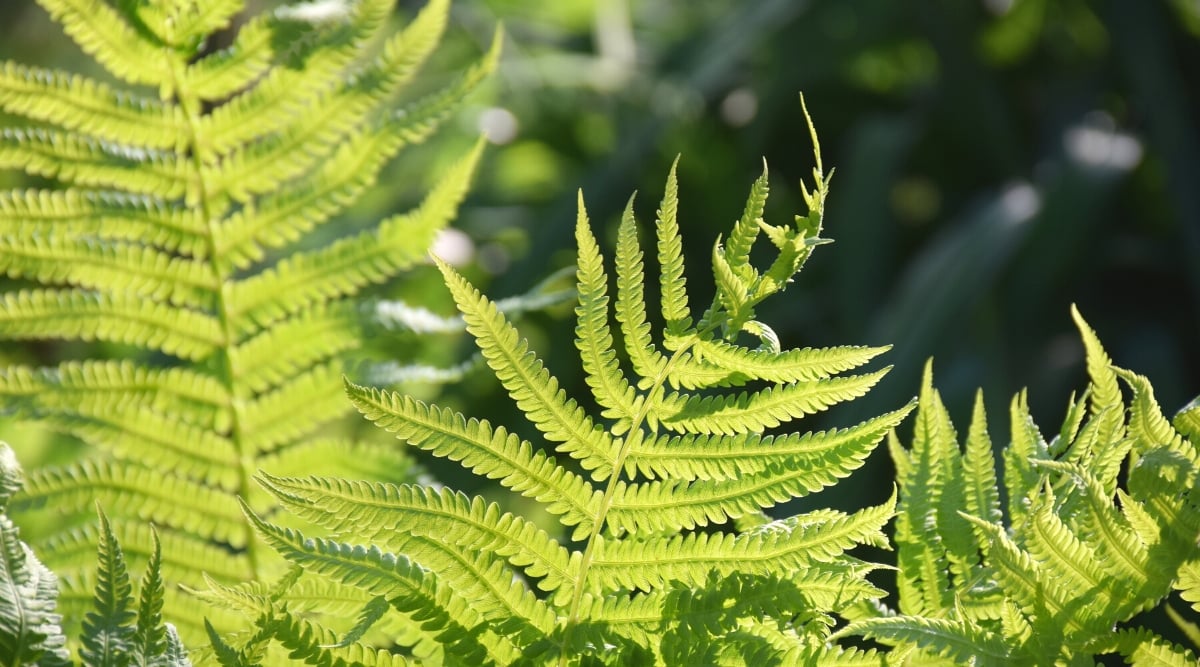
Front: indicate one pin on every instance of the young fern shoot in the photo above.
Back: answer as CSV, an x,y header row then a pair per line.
x,y
669,557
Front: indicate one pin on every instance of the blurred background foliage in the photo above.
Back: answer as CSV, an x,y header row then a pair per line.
x,y
997,160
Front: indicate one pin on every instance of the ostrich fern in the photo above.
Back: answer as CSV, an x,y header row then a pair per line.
x,y
177,220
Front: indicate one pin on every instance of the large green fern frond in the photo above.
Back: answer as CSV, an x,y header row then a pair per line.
x,y
186,218
673,449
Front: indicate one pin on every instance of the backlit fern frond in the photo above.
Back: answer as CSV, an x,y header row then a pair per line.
x,y
668,559
186,216
1084,549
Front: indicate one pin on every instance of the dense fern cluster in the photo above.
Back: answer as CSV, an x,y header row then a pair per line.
x,y
1103,521
186,219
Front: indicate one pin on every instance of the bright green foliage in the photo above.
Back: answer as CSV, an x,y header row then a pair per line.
x,y
670,559
1103,521
30,632
114,633
187,222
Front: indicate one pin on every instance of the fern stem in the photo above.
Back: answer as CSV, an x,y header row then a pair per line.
x,y
190,107
635,435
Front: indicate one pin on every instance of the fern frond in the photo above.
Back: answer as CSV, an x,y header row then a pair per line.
x,y
179,223
647,362
1104,391
109,38
1071,564
452,517
77,103
1147,425
87,162
136,491
103,216
960,640
712,457
660,464
672,283
30,631
345,266
119,318
535,391
979,469
109,632
593,338
748,412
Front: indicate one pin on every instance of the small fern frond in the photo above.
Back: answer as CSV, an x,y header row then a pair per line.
x,y
108,632
647,362
672,282
1105,393
960,640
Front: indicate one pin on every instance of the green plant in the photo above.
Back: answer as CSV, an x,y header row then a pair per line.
x,y
670,558
188,231
1062,580
114,633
